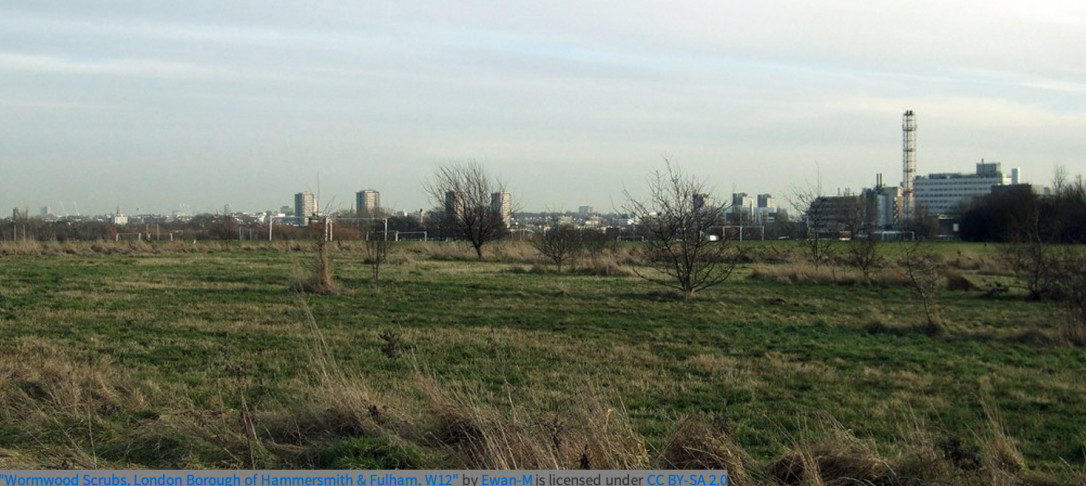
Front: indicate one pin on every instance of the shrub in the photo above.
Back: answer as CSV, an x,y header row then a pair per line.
x,y
559,245
317,276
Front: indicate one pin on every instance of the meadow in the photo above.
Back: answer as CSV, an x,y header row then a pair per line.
x,y
207,355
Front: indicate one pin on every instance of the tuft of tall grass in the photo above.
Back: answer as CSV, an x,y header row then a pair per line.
x,y
60,405
318,272
697,444
13,248
584,433
831,455
1000,454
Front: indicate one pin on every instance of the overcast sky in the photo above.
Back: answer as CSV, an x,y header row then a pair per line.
x,y
161,105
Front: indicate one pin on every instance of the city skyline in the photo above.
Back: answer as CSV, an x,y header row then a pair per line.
x,y
161,107
374,196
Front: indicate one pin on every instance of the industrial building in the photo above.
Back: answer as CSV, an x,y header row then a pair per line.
x,y
837,216
884,206
872,211
937,194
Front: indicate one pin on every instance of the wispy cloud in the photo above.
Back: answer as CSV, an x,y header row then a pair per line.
x,y
1056,85
103,67
742,91
40,104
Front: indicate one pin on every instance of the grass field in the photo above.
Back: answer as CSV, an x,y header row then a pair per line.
x,y
182,356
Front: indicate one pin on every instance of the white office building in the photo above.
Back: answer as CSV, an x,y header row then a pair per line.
x,y
750,210
942,194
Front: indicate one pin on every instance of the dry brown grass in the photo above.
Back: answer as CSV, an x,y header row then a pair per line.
x,y
48,395
66,397
439,250
581,433
998,450
697,444
511,251
11,248
144,247
70,408
831,455
71,411
805,273
957,282
932,457
508,251
606,268
1073,334
317,272
13,460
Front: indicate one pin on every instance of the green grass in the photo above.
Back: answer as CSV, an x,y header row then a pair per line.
x,y
199,332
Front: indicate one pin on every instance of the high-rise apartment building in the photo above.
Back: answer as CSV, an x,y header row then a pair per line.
x,y
305,206
742,208
367,201
702,201
766,211
501,203
454,205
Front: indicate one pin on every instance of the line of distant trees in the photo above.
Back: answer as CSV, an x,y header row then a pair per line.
x,y
225,227
41,230
1016,214
200,227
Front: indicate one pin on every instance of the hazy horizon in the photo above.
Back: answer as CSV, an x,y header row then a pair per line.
x,y
163,105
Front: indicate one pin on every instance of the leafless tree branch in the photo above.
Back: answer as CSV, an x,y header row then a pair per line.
x,y
677,220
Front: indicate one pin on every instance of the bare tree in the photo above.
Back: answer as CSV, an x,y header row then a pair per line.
x,y
857,217
597,242
1070,270
863,253
472,203
321,271
559,244
819,248
376,251
1034,262
677,219
1029,250
925,270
